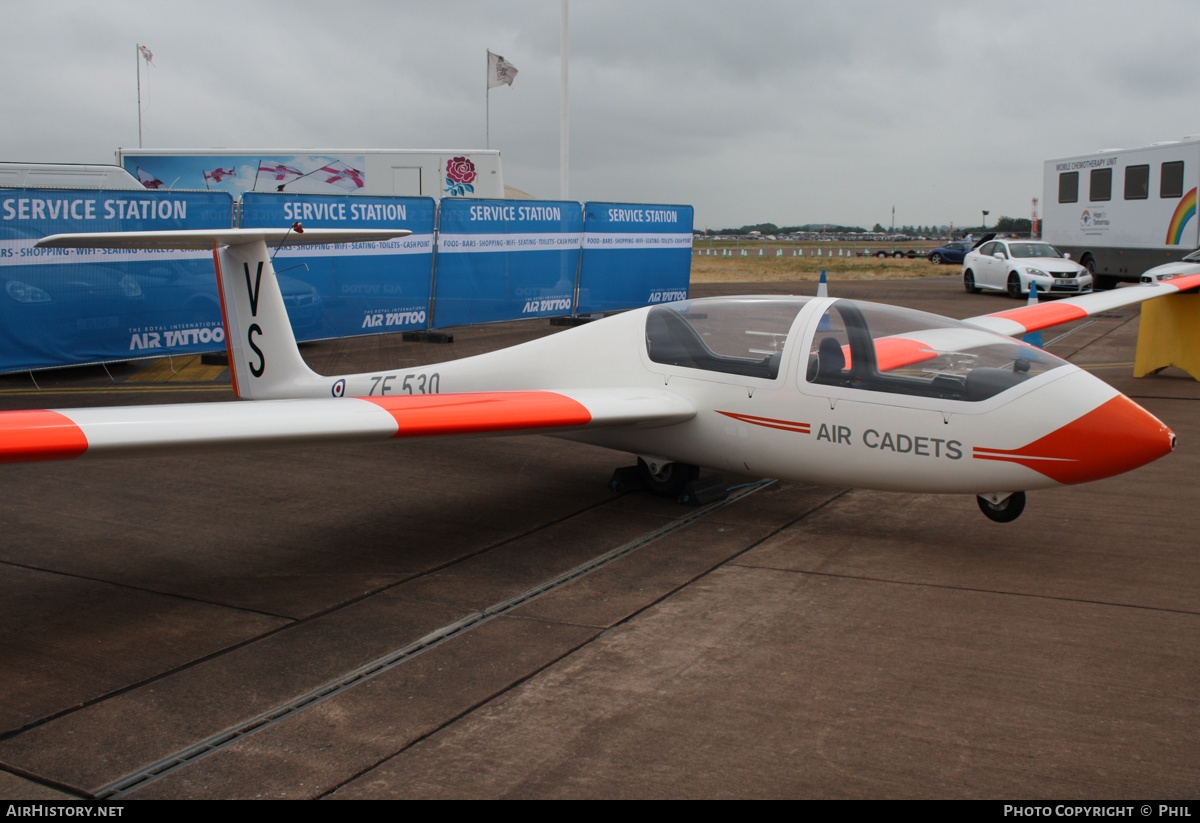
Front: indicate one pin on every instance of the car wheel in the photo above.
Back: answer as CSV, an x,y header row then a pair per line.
x,y
969,282
1014,286
935,259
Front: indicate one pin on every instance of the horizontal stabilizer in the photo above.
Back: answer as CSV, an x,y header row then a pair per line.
x,y
206,238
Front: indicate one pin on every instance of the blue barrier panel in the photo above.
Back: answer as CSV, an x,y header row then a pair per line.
x,y
358,288
62,307
634,255
505,260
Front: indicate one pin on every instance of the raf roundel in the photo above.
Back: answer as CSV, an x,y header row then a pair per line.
x,y
339,388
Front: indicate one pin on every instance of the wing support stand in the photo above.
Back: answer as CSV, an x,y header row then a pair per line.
x,y
679,481
426,336
1167,333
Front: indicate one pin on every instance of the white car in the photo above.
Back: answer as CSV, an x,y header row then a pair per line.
x,y
1187,265
1011,265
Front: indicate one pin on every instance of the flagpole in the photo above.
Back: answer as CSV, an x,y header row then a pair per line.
x,y
137,56
487,95
564,125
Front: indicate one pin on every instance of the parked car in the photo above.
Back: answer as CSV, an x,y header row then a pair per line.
x,y
1011,265
949,253
911,254
1189,264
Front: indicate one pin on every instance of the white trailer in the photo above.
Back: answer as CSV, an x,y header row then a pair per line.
x,y
435,173
65,176
1122,211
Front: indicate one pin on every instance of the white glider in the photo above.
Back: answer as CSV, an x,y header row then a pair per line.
x,y
820,390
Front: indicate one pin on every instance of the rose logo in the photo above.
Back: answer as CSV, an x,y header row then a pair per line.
x,y
460,174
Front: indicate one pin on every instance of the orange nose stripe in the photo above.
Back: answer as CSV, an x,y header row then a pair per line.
x,y
1113,438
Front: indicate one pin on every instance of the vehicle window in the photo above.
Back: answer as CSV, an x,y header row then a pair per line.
x,y
1068,187
1034,250
1137,182
743,336
1101,187
988,249
1171,184
901,351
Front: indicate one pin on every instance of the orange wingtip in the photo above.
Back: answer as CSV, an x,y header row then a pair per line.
x,y
423,415
28,436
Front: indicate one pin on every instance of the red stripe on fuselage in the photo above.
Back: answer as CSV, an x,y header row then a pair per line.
x,y
770,422
36,434
420,415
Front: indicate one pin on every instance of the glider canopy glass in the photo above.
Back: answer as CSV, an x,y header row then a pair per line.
x,y
902,351
743,336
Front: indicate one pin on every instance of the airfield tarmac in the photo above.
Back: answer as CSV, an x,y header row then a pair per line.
x,y
487,618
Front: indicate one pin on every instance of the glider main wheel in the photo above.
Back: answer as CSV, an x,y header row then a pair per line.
x,y
935,259
666,479
969,282
1014,286
1005,511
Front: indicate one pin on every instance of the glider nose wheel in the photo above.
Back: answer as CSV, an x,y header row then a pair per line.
x,y
1005,511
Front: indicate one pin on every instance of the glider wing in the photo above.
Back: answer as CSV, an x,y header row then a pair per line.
x,y
64,434
1026,319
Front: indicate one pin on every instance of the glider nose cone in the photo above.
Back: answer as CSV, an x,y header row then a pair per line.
x,y
1114,438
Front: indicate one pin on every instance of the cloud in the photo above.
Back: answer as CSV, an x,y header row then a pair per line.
x,y
768,110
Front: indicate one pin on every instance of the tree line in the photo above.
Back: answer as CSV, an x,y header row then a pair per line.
x,y
1004,225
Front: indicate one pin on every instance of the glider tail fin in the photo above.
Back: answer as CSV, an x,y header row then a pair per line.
x,y
264,361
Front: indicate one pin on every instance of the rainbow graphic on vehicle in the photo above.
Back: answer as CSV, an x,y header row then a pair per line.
x,y
1184,212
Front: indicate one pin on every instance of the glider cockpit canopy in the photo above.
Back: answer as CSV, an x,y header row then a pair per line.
x,y
864,346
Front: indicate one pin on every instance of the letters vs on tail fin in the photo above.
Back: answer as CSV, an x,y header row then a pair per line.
x,y
264,361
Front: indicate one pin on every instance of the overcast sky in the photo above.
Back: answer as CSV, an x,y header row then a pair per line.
x,y
764,110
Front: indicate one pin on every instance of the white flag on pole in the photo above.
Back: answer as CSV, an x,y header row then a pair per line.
x,y
147,55
500,71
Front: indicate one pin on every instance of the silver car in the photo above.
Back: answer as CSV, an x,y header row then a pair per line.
x,y
1167,271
